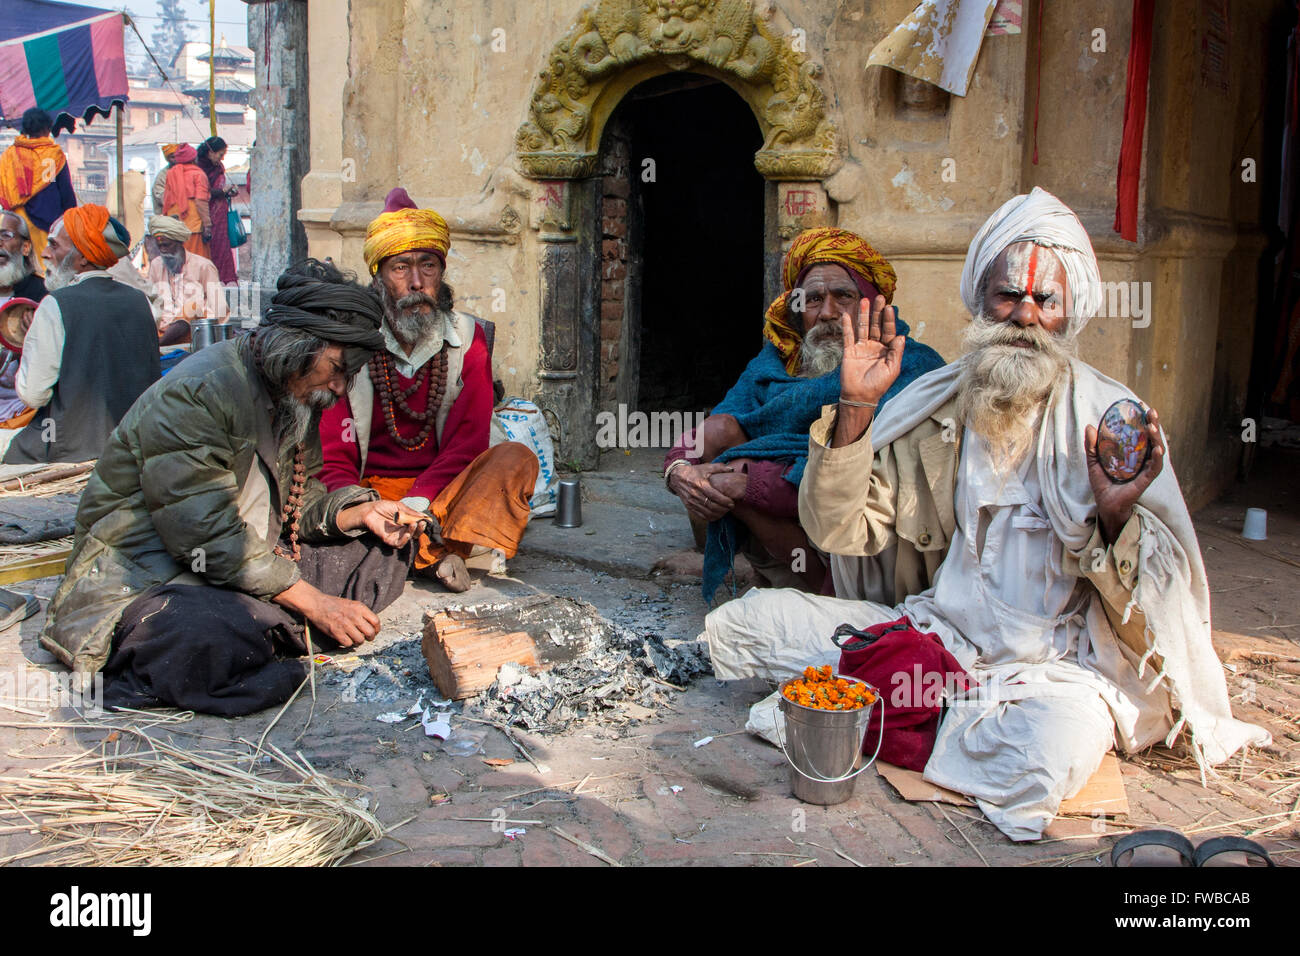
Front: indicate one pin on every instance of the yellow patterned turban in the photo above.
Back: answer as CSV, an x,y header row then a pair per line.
x,y
813,247
402,227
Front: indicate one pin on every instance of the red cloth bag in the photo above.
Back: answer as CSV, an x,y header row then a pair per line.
x,y
910,669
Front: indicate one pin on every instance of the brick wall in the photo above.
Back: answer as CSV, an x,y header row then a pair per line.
x,y
613,286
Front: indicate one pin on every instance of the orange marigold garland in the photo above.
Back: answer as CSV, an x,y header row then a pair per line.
x,y
820,689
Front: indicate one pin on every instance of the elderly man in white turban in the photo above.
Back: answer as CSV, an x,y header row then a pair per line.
x,y
1077,603
186,284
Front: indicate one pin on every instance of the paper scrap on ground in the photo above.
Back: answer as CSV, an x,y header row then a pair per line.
x,y
392,717
702,742
515,832
437,725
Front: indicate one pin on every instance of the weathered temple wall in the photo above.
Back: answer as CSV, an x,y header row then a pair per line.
x,y
429,94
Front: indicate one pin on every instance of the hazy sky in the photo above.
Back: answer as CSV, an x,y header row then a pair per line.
x,y
232,18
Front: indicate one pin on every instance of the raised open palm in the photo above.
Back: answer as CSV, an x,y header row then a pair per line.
x,y
873,351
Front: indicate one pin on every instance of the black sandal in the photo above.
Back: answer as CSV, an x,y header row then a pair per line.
x,y
1169,839
15,608
1231,844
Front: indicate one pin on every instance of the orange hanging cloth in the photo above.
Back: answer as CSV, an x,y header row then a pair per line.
x,y
27,167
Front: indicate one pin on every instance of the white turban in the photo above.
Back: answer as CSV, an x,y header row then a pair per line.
x,y
1042,218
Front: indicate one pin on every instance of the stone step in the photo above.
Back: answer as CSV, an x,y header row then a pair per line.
x,y
616,538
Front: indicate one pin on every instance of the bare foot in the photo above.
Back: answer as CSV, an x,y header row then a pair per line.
x,y
453,574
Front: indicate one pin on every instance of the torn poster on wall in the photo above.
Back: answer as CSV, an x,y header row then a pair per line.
x,y
938,42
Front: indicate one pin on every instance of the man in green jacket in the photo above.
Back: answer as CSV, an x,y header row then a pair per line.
x,y
208,556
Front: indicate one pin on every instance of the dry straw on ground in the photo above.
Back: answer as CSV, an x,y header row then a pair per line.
x,y
162,805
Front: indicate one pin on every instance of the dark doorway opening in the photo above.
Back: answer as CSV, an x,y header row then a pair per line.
x,y
694,241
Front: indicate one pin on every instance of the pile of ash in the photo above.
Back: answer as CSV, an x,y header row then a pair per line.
x,y
617,667
604,666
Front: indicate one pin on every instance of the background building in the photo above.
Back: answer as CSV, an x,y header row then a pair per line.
x,y
603,166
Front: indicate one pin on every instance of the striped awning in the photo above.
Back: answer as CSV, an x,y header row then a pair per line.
x,y
65,58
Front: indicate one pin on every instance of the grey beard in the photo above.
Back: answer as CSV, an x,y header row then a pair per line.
x,y
411,326
821,351
13,272
59,275
1003,388
406,318
294,417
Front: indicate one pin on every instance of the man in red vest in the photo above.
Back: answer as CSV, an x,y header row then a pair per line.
x,y
415,423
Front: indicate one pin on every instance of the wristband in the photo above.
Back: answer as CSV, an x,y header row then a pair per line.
x,y
845,401
669,470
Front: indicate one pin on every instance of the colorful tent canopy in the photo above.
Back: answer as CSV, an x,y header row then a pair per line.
x,y
65,58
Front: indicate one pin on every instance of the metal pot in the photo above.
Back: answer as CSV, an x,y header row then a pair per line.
x,y
203,332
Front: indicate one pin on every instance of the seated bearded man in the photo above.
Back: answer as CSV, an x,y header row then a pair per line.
x,y
740,471
415,423
208,556
975,508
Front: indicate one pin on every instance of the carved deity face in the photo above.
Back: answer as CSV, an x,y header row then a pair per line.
x,y
681,25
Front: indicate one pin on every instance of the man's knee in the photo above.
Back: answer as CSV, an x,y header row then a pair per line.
x,y
516,458
719,433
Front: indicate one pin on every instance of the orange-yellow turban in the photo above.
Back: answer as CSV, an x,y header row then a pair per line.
x,y
814,247
168,149
97,236
402,227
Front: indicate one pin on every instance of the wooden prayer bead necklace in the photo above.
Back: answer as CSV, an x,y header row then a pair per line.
x,y
291,513
381,373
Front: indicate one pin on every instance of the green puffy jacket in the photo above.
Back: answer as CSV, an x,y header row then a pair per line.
x,y
189,487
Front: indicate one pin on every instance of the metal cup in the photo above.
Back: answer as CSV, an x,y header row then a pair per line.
x,y
568,505
1256,526
203,332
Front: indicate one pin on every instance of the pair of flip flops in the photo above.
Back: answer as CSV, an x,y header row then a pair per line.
x,y
16,607
1124,852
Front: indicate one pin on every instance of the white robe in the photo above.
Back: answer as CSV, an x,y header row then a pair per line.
x,y
1066,687
1054,683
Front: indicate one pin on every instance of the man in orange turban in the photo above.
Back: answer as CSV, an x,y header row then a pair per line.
x,y
739,472
92,348
415,423
34,178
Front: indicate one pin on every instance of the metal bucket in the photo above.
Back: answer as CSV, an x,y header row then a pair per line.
x,y
203,332
822,747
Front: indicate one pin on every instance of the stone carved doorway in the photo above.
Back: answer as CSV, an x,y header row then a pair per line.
x,y
613,47
682,224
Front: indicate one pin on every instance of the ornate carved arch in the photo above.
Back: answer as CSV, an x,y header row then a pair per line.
x,y
616,44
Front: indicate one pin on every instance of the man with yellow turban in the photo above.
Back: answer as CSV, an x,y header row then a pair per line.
x,y
415,423
740,471
92,348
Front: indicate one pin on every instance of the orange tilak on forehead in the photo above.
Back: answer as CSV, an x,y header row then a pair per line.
x,y
1028,270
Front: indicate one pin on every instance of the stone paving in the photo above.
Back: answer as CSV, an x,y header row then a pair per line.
x,y
640,793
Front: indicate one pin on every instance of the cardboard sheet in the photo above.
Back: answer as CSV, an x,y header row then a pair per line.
x,y
1104,791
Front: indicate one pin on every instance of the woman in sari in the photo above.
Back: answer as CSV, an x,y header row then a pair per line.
x,y
211,153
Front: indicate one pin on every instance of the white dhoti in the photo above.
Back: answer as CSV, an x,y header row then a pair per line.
x,y
1055,684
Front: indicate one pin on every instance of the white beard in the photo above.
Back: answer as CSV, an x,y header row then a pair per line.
x,y
821,350
59,275
1004,388
13,272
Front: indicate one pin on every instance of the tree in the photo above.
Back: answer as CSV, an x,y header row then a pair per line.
x,y
169,35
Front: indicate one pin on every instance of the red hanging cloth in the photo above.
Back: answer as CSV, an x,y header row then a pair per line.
x,y
1135,117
